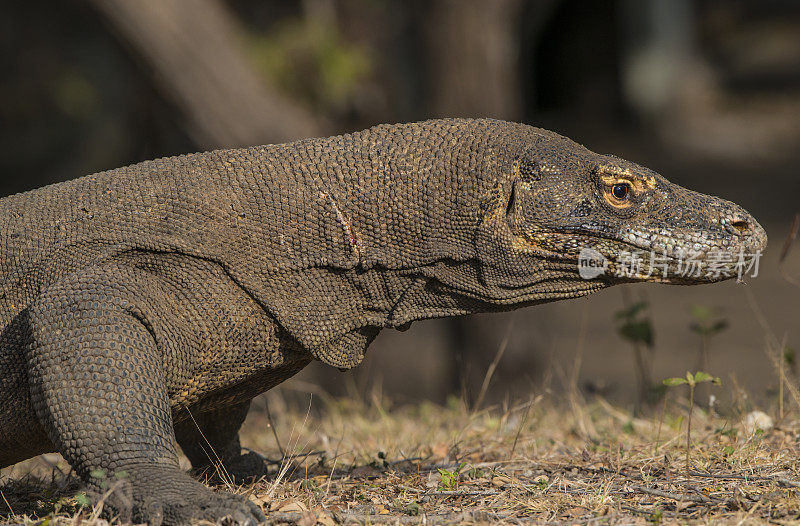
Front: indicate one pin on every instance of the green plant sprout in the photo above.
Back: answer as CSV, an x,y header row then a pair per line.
x,y
451,479
706,324
692,381
635,327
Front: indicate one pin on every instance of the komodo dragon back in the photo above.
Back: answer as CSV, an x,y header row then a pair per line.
x,y
147,305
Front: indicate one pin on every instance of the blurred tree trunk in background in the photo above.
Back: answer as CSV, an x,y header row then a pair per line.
x,y
191,48
473,50
472,70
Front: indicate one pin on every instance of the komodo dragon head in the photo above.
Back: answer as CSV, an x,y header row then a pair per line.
x,y
567,221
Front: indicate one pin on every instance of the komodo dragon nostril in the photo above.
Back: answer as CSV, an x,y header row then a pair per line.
x,y
741,226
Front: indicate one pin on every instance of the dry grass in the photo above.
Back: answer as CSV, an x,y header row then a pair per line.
x,y
534,462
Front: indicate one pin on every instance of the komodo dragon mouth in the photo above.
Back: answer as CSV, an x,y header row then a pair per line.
x,y
628,261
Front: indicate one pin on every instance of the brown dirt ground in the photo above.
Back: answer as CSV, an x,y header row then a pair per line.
x,y
544,460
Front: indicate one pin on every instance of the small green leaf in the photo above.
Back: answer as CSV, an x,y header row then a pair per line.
x,y
672,382
718,326
701,313
631,311
728,450
638,331
657,516
82,500
700,376
704,323
449,479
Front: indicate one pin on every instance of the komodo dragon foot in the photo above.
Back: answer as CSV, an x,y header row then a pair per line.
x,y
241,469
210,440
164,495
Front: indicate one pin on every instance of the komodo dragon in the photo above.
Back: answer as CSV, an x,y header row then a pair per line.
x,y
143,305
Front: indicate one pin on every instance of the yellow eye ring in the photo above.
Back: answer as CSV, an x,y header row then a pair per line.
x,y
618,194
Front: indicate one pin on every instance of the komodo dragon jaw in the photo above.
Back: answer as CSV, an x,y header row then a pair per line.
x,y
644,227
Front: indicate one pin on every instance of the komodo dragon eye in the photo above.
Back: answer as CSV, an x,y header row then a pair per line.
x,y
620,191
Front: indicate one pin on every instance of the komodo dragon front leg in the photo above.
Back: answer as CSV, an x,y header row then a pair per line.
x,y
100,387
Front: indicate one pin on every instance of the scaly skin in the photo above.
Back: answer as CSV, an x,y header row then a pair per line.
x,y
139,304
